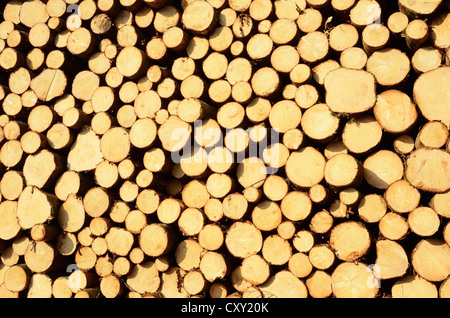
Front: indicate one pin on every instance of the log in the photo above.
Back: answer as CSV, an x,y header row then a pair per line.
x,y
423,99
35,207
321,222
310,20
392,259
214,266
383,168
276,250
438,203
275,156
339,209
44,232
234,206
414,286
397,22
41,257
318,122
321,257
425,59
199,17
300,74
420,8
255,269
234,242
106,174
242,26
342,7
195,194
10,224
66,244
103,265
188,254
284,58
299,169
11,154
194,283
354,281
423,221
155,240
349,197
191,221
285,115
342,170
84,85
395,60
339,240
433,134
211,237
393,226
416,34
10,59
293,139
169,210
402,197
286,229
375,37
99,226
137,256
274,286
395,119
313,47
12,184
319,284
372,208
300,265
421,178
85,258
365,13
275,188
404,144
81,43
40,286
265,82
323,68
96,201
41,118
144,278
283,31
319,194
42,168
60,288
438,28
343,36
121,266
111,287
434,253
9,257
19,80
358,83
33,12
443,289
169,283
266,216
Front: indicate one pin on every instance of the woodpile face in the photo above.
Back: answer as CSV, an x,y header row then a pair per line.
x,y
224,148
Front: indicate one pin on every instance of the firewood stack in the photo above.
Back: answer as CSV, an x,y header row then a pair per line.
x,y
224,148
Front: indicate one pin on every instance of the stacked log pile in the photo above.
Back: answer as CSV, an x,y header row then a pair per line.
x,y
224,148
